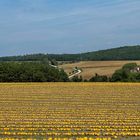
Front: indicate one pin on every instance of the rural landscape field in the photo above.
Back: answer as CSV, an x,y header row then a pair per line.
x,y
89,68
76,111
69,69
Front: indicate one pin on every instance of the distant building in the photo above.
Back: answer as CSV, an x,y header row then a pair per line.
x,y
136,70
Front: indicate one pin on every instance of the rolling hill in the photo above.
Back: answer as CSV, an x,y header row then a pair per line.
x,y
121,53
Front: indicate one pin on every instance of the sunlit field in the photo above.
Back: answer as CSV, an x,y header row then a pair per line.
x,y
76,111
89,68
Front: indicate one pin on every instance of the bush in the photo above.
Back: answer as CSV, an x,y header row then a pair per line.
x,y
129,66
77,79
99,78
125,74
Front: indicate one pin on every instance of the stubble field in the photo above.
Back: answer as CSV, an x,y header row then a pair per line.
x,y
89,68
76,111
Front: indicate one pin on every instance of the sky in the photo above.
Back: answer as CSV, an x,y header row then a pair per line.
x,y
67,26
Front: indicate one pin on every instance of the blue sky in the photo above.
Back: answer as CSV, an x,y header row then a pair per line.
x,y
67,26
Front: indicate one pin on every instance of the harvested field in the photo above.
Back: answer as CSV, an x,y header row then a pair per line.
x,y
76,111
101,67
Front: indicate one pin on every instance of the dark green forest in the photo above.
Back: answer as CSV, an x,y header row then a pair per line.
x,y
122,53
30,72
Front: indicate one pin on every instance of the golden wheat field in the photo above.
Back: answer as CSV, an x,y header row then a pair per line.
x,y
89,68
75,111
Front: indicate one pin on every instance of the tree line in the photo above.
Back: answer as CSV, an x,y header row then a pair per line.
x,y
43,72
31,72
121,53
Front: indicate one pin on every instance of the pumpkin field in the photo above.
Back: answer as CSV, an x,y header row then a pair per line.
x,y
75,111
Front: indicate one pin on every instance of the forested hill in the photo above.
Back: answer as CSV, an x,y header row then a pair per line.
x,y
31,57
122,53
